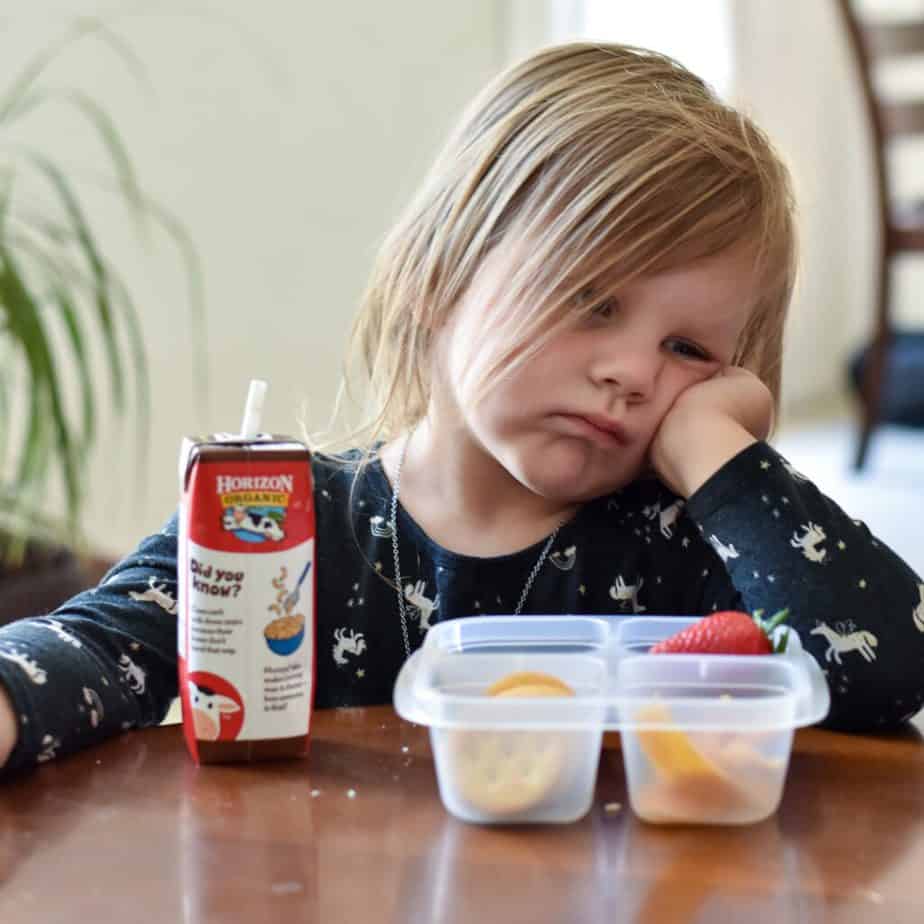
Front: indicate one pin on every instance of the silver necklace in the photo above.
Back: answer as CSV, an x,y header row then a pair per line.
x,y
393,522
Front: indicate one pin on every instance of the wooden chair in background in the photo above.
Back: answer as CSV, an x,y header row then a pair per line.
x,y
901,225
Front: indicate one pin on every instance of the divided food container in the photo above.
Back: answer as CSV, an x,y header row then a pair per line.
x,y
705,738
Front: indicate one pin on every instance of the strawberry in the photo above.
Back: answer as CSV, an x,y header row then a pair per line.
x,y
728,632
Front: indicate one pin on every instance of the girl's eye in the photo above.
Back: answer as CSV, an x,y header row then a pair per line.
x,y
603,308
688,350
593,306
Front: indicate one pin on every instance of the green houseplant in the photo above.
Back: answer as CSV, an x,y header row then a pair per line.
x,y
63,307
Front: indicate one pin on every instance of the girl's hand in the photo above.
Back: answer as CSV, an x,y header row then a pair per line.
x,y
9,728
708,425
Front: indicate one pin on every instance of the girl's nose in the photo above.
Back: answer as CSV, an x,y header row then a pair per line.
x,y
629,370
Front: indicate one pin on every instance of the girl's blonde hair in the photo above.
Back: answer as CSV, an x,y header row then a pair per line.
x,y
605,162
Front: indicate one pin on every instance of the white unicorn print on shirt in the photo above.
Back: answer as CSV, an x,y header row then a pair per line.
x,y
36,674
838,644
918,613
49,749
725,551
91,698
416,596
346,641
380,527
564,560
809,541
132,674
54,626
156,593
666,517
624,593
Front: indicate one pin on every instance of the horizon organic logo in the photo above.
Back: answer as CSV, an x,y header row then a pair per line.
x,y
224,484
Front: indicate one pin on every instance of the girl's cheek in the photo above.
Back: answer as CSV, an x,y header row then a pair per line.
x,y
694,377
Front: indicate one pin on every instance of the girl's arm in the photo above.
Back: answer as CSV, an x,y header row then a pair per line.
x,y
8,732
858,608
102,663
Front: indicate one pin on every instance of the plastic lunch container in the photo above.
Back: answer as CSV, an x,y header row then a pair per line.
x,y
705,738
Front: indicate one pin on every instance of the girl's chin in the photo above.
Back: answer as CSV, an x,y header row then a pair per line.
x,y
573,484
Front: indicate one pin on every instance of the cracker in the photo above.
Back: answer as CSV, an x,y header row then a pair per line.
x,y
530,679
505,773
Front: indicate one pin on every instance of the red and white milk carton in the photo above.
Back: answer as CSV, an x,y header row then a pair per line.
x,y
246,595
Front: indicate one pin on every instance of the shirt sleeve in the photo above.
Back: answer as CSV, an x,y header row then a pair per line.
x,y
104,662
858,608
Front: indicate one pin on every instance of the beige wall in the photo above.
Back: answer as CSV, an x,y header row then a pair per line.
x,y
286,135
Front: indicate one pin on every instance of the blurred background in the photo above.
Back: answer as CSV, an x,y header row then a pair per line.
x,y
285,136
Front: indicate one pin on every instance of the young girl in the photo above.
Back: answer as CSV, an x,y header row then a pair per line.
x,y
573,341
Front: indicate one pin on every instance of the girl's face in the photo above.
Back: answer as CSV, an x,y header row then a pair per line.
x,y
576,420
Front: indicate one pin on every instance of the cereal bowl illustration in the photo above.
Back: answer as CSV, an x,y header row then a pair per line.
x,y
287,631
254,524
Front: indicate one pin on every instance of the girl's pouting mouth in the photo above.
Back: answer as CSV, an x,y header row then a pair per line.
x,y
605,431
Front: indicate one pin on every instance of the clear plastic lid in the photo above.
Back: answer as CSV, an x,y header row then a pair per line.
x,y
605,661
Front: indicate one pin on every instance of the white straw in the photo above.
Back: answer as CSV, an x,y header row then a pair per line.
x,y
253,410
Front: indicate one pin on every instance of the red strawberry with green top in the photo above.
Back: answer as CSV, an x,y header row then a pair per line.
x,y
729,632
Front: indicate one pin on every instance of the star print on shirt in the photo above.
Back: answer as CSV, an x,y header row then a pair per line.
x,y
765,465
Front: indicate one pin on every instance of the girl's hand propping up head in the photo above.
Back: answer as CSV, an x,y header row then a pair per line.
x,y
8,727
708,425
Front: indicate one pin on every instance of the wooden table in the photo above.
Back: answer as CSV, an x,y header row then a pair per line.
x,y
133,832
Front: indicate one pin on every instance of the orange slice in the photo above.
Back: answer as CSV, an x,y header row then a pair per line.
x,y
671,753
529,683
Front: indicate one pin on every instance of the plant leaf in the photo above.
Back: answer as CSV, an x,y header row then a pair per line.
x,y
101,294
105,129
22,520
63,274
25,321
60,277
71,318
142,380
36,66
